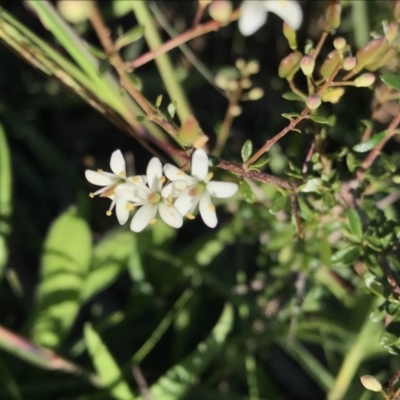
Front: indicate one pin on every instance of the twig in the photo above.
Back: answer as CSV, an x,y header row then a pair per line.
x,y
141,382
184,37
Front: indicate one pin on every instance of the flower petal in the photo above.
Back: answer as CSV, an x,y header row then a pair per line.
x,y
200,164
222,190
174,174
289,10
131,192
170,215
143,216
207,211
252,17
185,202
154,174
117,164
122,211
137,179
173,189
100,178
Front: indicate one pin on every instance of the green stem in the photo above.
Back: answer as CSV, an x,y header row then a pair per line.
x,y
360,22
163,62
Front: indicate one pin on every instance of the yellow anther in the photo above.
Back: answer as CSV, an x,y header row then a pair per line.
x,y
211,207
209,176
162,179
130,206
108,213
152,221
91,195
135,179
122,174
170,198
100,171
180,173
190,216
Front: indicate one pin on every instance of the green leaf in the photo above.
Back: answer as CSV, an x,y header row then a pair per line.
x,y
370,143
392,80
246,191
346,256
319,119
159,100
110,258
129,37
260,163
292,96
279,203
106,366
172,109
179,379
64,267
5,198
247,150
355,224
312,185
135,80
290,116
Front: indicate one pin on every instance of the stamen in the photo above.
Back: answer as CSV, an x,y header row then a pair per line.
x,y
108,213
152,221
122,174
209,176
190,216
135,179
170,198
91,195
169,205
211,207
100,171
130,206
180,173
162,179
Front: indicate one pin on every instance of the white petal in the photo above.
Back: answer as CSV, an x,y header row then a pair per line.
x,y
170,215
154,174
173,174
137,180
289,10
143,216
122,211
207,211
173,189
252,17
222,190
117,164
200,164
100,178
185,203
133,193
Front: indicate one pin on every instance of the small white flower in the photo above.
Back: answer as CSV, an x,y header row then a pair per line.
x,y
111,181
152,198
199,189
253,14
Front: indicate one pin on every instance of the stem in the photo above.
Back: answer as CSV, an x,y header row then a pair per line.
x,y
163,61
228,120
269,143
320,44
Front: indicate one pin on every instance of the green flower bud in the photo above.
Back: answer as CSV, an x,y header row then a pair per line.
x,y
383,61
313,101
332,95
371,383
333,15
290,65
396,10
290,36
255,94
307,65
330,63
391,32
364,80
349,63
74,11
339,43
220,10
371,52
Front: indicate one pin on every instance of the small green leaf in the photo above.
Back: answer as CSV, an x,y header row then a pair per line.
x,y
312,185
136,82
352,162
172,109
141,118
129,37
246,191
247,150
292,96
159,100
374,284
370,143
346,256
392,80
260,163
278,204
106,366
319,119
355,224
290,116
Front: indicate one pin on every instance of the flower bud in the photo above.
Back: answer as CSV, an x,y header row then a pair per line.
x,y
290,65
332,95
371,383
330,63
255,94
333,15
349,63
313,101
371,52
252,67
235,110
240,63
74,11
339,43
364,80
220,10
307,65
290,36
391,32
382,61
396,10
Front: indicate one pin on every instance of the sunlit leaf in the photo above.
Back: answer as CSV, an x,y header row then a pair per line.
x,y
246,191
354,222
129,37
370,143
392,80
247,150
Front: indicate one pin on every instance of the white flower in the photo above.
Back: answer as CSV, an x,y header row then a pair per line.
x,y
199,189
111,181
152,198
253,14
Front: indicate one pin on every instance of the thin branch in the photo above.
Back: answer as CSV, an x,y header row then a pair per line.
x,y
141,382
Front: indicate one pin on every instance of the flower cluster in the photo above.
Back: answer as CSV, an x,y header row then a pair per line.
x,y
153,195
